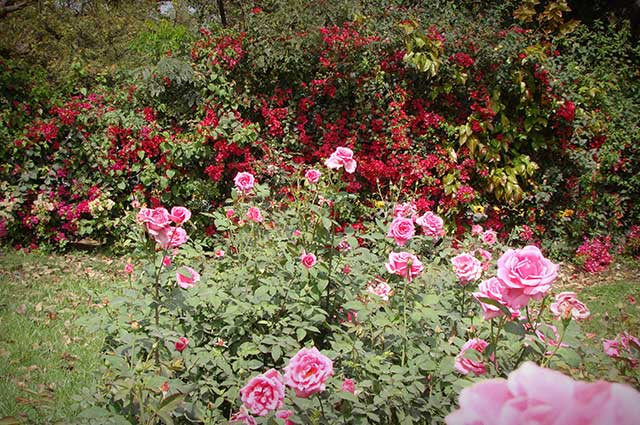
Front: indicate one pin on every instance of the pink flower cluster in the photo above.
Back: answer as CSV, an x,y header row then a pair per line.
x,y
306,373
523,274
533,394
158,222
342,157
623,347
405,217
595,253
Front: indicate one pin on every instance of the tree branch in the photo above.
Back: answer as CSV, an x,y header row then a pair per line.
x,y
6,7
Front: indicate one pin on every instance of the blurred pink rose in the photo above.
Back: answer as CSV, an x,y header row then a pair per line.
x,y
296,233
308,259
431,224
244,181
229,213
187,277
535,395
308,371
566,305
128,268
401,230
242,417
611,347
625,347
405,209
404,264
476,229
179,215
496,290
549,335
348,386
219,253
465,365
285,414
466,267
181,344
170,237
166,261
342,157
254,215
527,273
489,237
380,288
263,393
312,176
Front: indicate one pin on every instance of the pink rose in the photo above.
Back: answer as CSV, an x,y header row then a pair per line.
x,y
312,176
285,414
187,280
476,229
489,237
348,386
157,220
533,394
170,237
548,335
144,215
380,288
611,347
621,348
296,233
181,344
179,215
128,269
527,272
308,371
342,157
219,253
406,209
486,257
229,213
242,417
401,230
566,305
263,393
254,215
308,259
466,267
431,224
404,264
166,261
497,291
465,365
244,181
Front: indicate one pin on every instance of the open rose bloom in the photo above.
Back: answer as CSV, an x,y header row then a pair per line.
x,y
244,181
404,264
465,365
401,230
158,223
187,277
566,305
263,393
535,395
467,268
342,157
431,224
308,371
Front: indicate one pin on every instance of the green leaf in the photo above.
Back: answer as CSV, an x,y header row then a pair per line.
x,y
495,303
515,328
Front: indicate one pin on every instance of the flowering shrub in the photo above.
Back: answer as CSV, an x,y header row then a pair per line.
x,y
354,329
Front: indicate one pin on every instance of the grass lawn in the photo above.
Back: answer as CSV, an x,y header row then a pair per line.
x,y
45,357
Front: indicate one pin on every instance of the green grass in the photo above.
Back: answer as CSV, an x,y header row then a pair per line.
x,y
45,357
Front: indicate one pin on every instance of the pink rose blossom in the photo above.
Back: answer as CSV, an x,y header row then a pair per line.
x,y
489,237
406,210
380,288
312,176
348,386
229,213
254,215
242,417
128,269
342,157
566,305
308,259
476,229
181,344
170,237
296,233
404,264
179,215
431,224
156,219
527,273
497,291
244,181
625,347
285,414
308,371
263,393
466,267
550,337
166,261
535,395
401,230
465,365
611,347
219,253
187,280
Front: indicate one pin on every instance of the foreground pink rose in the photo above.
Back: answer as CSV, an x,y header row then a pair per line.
x,y
181,344
466,267
465,365
254,215
187,279
535,395
242,417
401,230
244,181
566,305
263,393
527,272
404,264
308,371
431,224
308,259
342,157
496,290
312,176
179,215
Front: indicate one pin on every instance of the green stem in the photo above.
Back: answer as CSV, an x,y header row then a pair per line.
x,y
321,406
404,322
557,347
